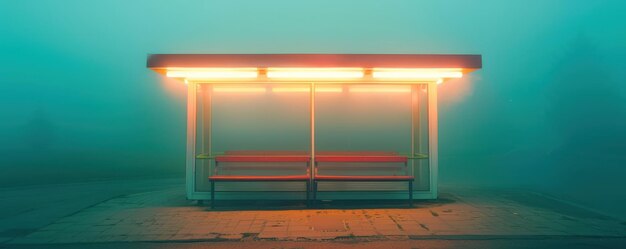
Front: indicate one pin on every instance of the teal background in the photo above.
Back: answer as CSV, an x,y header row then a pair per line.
x,y
547,111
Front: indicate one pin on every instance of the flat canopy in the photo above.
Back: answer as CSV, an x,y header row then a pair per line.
x,y
163,61
372,68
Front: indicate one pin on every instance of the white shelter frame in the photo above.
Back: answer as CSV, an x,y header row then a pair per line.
x,y
431,193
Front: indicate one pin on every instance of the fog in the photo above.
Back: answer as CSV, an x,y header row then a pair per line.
x,y
546,112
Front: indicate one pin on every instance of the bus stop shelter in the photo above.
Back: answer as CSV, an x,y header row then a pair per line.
x,y
330,126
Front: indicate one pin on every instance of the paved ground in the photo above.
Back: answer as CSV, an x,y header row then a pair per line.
x,y
530,243
163,215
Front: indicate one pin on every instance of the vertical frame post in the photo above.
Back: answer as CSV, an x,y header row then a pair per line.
x,y
312,111
207,129
191,139
433,138
414,126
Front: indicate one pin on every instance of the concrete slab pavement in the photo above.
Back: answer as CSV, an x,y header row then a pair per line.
x,y
164,215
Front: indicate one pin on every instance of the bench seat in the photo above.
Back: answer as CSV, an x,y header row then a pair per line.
x,y
235,178
361,159
376,178
263,158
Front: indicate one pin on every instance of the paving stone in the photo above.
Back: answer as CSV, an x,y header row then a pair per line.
x,y
364,232
273,235
236,236
149,217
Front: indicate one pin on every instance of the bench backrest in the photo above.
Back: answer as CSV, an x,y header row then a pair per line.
x,y
361,163
262,163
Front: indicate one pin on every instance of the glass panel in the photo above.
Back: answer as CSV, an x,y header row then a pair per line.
x,y
251,118
266,117
363,118
276,117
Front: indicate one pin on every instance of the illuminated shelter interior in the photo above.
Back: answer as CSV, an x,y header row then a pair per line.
x,y
256,113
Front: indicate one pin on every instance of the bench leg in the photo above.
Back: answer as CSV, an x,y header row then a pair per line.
x,y
314,193
212,194
410,193
308,190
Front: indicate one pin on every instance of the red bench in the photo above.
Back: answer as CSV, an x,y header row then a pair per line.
x,y
361,157
260,157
